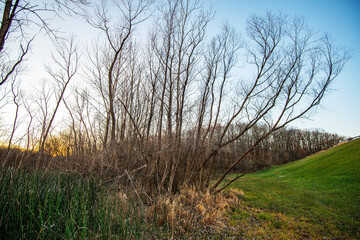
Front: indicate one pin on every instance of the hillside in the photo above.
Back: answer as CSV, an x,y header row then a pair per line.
x,y
318,196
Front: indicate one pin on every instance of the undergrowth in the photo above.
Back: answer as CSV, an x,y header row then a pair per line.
x,y
39,205
34,205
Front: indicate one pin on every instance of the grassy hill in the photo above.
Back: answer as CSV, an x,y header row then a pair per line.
x,y
315,197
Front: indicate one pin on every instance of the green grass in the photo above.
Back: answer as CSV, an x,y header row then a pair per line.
x,y
63,206
323,190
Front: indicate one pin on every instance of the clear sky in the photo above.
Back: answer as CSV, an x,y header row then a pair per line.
x,y
340,111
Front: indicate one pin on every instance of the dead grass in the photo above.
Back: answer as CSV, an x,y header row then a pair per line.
x,y
195,215
191,209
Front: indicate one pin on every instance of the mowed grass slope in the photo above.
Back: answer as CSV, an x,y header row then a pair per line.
x,y
315,197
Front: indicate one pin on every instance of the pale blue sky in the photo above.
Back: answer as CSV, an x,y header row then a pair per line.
x,y
341,19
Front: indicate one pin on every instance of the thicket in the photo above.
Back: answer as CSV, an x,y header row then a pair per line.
x,y
173,108
285,145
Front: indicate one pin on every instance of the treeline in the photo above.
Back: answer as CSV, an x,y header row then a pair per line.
x,y
168,109
283,146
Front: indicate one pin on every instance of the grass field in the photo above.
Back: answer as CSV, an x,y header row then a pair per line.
x,y
316,197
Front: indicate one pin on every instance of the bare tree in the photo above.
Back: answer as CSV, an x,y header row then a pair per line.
x,y
29,131
294,69
10,25
16,95
220,59
176,44
42,99
18,16
95,73
117,37
67,61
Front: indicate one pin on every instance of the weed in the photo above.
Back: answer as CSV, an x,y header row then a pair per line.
x,y
34,205
264,216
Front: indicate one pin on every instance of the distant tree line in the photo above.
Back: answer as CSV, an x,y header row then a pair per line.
x,y
283,146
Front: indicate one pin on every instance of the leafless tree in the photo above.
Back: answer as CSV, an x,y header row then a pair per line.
x,y
117,37
42,98
176,44
18,16
10,25
294,69
67,62
29,130
16,95
220,59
